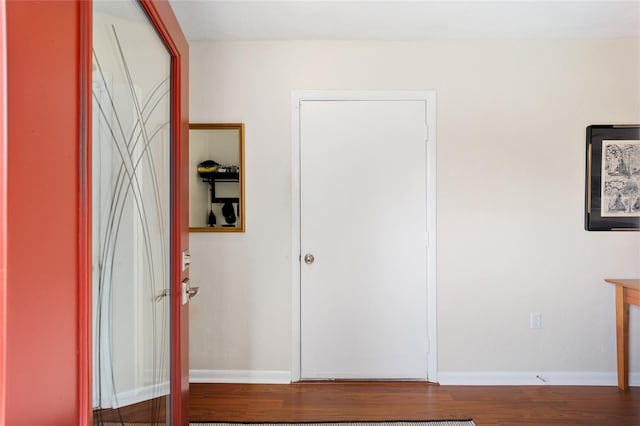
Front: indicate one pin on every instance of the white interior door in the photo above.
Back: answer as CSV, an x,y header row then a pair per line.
x,y
363,217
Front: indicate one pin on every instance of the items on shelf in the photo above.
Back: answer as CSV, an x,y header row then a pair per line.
x,y
228,213
211,172
212,218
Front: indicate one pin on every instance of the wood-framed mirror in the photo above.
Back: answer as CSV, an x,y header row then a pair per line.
x,y
216,177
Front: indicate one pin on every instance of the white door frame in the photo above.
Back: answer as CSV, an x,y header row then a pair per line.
x,y
429,97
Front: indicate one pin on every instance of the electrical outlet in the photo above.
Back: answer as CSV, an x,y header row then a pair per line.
x,y
535,320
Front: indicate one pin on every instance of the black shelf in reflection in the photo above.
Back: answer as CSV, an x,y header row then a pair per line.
x,y
220,177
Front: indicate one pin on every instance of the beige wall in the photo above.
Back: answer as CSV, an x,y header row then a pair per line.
x,y
511,153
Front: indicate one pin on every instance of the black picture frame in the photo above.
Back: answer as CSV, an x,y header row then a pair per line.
x,y
597,219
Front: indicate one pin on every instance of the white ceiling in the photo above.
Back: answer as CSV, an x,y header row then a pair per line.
x,y
406,20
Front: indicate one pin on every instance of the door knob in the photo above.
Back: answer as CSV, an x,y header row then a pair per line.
x,y
309,259
164,293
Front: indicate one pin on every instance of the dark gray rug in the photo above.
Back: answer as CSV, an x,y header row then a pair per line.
x,y
381,423
346,423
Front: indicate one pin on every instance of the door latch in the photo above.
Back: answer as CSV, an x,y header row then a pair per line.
x,y
186,260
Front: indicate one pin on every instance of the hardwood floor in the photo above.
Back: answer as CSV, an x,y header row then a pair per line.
x,y
486,405
150,412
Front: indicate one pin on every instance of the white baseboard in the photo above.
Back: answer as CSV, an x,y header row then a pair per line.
x,y
133,396
240,376
469,378
498,378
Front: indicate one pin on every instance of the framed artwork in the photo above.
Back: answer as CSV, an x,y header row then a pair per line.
x,y
612,197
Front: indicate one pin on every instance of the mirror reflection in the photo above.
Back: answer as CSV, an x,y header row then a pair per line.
x,y
216,177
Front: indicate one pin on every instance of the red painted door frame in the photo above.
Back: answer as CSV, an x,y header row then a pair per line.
x,y
45,332
3,212
43,319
